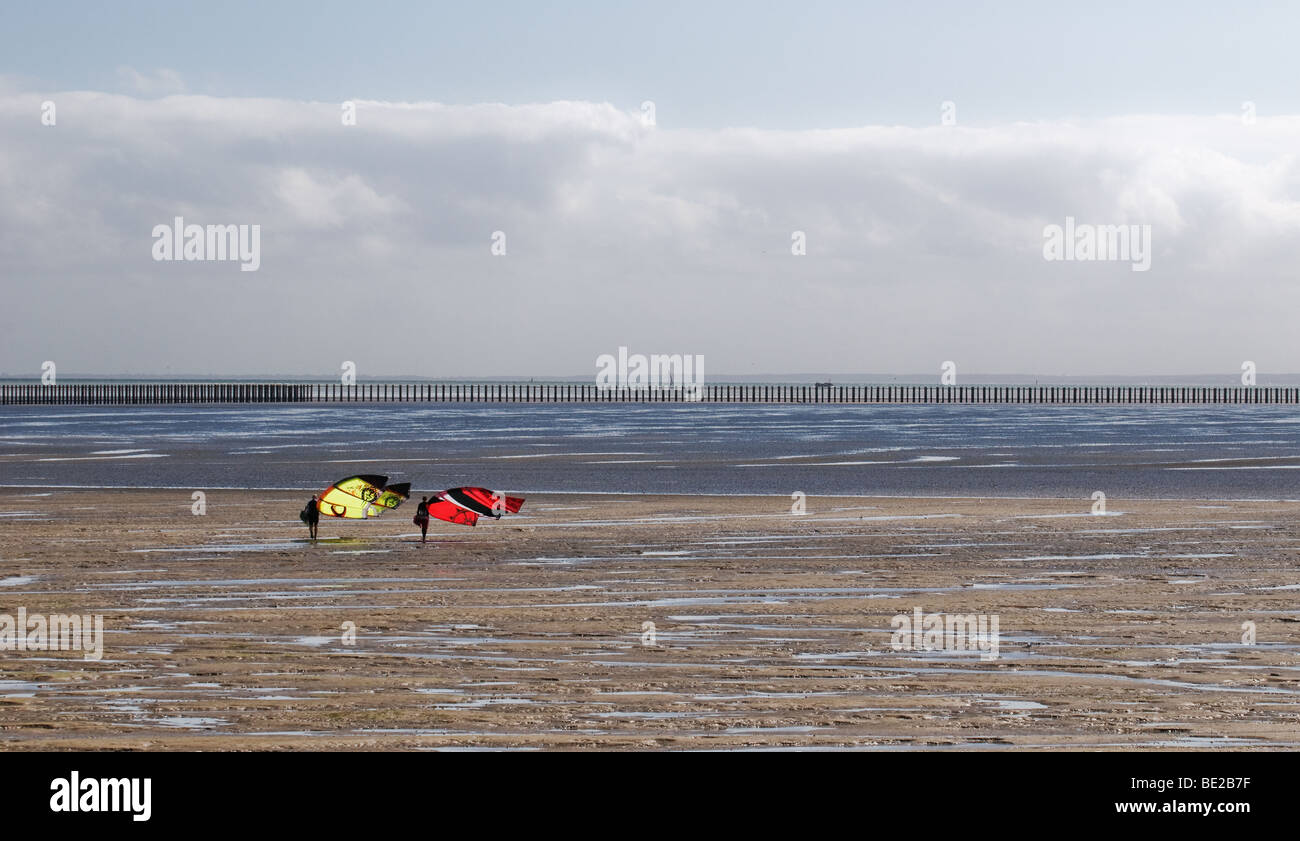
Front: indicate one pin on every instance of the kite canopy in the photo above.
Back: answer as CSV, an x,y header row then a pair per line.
x,y
463,506
394,495
359,497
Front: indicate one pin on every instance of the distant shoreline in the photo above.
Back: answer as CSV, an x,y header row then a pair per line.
x,y
236,392
1219,379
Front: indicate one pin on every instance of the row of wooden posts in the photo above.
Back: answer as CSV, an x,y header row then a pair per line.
x,y
156,393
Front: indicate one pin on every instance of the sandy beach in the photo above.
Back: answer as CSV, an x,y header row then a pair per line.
x,y
229,631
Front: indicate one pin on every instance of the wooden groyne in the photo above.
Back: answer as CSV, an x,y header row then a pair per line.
x,y
156,393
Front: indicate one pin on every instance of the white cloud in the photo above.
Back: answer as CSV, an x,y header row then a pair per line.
x,y
158,82
325,200
924,244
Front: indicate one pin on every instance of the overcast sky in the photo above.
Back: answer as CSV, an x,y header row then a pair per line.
x,y
924,240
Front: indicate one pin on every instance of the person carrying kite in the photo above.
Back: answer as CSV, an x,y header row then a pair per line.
x,y
311,516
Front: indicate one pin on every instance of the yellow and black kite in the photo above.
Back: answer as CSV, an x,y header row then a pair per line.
x,y
359,497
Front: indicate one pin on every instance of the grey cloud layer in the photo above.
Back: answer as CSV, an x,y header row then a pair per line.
x,y
924,244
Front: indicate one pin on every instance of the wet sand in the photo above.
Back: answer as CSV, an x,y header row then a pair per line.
x,y
226,631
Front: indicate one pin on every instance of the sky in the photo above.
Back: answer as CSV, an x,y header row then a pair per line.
x,y
529,186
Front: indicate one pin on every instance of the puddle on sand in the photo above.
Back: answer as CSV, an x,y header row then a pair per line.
x,y
1012,704
794,729
17,581
193,722
18,689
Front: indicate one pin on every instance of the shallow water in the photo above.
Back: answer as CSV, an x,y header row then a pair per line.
x,y
1142,451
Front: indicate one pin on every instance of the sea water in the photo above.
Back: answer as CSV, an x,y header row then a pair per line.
x,y
1232,451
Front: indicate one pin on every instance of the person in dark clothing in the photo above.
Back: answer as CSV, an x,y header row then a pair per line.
x,y
311,516
422,518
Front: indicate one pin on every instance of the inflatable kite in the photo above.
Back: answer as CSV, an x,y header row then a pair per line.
x,y
359,497
463,506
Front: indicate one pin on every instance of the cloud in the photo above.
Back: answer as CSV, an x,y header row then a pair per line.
x,y
326,200
924,244
159,82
